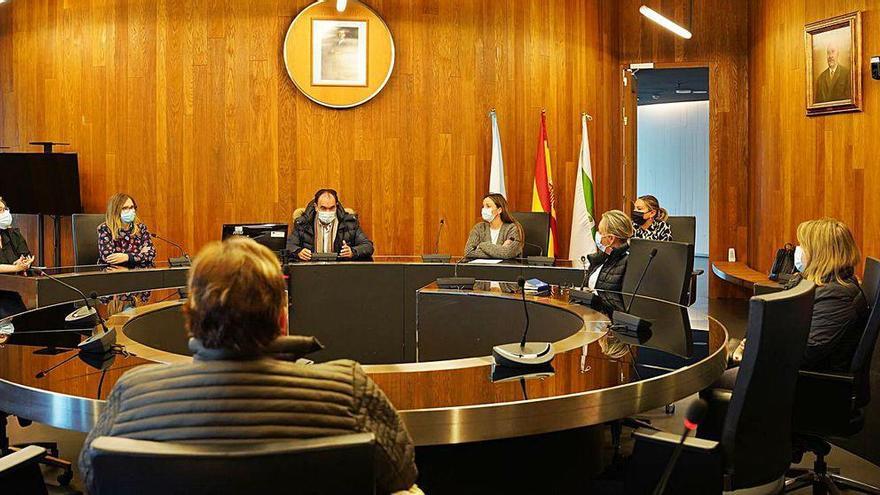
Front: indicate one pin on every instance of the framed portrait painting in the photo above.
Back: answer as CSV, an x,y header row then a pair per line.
x,y
834,64
339,52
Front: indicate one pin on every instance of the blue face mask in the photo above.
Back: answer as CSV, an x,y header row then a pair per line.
x,y
128,216
602,247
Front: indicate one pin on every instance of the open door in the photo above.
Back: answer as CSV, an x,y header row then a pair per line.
x,y
629,154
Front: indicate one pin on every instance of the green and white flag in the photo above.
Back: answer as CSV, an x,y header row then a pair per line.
x,y
496,171
583,225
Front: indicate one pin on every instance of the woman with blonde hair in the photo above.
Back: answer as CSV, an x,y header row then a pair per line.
x,y
123,240
827,255
649,220
608,264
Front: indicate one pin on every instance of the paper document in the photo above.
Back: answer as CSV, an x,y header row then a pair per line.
x,y
481,261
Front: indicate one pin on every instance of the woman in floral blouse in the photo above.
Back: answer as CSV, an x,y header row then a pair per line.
x,y
649,220
123,240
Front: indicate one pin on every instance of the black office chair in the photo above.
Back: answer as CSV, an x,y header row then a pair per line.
x,y
684,229
20,472
85,237
536,228
754,448
328,465
833,405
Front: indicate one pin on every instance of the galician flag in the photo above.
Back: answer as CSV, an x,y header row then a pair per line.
x,y
543,197
496,175
583,223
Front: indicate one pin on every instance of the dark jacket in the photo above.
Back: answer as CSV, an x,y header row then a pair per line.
x,y
613,266
255,398
349,230
840,313
14,247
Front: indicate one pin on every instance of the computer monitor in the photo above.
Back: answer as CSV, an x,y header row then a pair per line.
x,y
271,235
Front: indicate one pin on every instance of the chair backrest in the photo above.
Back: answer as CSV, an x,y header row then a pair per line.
x,y
668,278
861,363
337,464
757,429
871,281
536,228
684,229
85,237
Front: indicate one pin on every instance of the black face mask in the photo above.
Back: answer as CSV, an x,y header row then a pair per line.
x,y
638,217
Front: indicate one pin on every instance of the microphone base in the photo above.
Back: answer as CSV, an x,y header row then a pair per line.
x,y
179,262
501,374
82,317
630,325
540,261
324,257
584,297
436,258
514,356
99,343
461,283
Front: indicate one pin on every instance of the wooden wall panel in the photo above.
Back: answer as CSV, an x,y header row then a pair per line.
x,y
720,42
186,105
808,167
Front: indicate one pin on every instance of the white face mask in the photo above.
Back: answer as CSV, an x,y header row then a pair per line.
x,y
128,216
488,215
602,247
5,219
799,264
326,217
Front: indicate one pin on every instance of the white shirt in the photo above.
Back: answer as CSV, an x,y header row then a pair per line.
x,y
594,278
328,237
493,233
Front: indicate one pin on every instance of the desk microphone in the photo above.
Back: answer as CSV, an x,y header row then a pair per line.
x,y
582,296
539,260
456,282
183,260
523,354
624,320
45,372
693,417
437,258
99,341
586,271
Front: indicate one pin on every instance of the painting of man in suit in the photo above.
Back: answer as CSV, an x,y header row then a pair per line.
x,y
339,55
833,64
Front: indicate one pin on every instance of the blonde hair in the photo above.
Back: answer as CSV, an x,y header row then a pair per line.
x,y
617,223
114,210
236,295
830,248
654,205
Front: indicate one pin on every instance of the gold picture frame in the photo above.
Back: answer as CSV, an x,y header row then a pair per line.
x,y
833,49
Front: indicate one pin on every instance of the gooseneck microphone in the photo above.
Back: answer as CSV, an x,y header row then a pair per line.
x,y
539,260
456,282
523,354
45,372
439,231
183,260
693,417
436,257
99,341
586,271
624,320
521,282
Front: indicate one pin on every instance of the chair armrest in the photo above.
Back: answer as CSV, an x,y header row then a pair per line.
x,y
699,469
29,455
824,402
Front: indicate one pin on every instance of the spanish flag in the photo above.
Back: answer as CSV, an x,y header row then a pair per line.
x,y
543,197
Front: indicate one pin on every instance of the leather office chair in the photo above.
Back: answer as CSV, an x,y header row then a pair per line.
x,y
833,405
20,472
684,229
748,453
329,465
536,228
85,237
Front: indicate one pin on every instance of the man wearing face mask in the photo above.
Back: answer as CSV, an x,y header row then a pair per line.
x,y
325,227
608,264
15,257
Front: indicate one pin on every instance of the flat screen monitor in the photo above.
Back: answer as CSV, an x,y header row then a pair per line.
x,y
45,183
271,235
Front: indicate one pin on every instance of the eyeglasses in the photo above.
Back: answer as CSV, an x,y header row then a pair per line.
x,y
129,208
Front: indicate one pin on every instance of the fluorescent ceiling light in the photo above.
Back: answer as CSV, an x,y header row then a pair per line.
x,y
340,5
659,19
